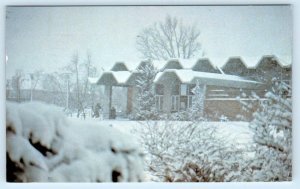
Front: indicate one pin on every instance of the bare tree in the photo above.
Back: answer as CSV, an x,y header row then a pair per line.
x,y
35,77
90,71
53,85
81,73
75,63
52,82
169,39
16,83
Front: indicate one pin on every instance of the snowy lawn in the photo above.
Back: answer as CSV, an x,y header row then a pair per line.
x,y
236,133
230,134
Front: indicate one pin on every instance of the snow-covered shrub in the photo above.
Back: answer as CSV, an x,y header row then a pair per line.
x,y
44,146
146,109
249,103
189,152
178,116
272,127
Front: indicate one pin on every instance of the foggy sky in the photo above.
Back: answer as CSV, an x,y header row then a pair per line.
x,y
44,38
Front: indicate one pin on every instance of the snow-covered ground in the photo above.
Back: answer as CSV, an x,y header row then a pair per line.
x,y
97,148
236,133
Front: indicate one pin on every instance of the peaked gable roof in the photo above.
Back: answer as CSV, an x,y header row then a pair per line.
x,y
205,65
190,76
271,60
119,66
114,78
235,66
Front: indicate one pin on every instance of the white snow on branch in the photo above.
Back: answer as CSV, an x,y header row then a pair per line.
x,y
50,147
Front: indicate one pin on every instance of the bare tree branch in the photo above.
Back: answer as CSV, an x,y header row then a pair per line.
x,y
81,71
169,39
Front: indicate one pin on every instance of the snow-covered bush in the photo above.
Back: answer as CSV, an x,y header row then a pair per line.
x,y
44,146
181,115
189,152
272,127
146,109
249,104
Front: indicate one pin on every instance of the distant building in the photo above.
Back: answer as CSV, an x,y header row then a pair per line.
x,y
177,77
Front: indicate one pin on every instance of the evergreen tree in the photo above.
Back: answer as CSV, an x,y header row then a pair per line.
x,y
146,109
198,101
272,126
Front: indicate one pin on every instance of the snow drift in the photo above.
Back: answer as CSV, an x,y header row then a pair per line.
x,y
45,146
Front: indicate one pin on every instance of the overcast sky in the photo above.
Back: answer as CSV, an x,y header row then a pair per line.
x,y
46,37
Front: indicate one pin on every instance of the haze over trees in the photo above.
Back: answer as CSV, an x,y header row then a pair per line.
x,y
67,87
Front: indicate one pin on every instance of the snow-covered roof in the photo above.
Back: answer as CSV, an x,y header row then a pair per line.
x,y
182,68
251,62
93,80
229,61
217,60
205,65
190,76
115,77
173,64
120,66
184,75
159,64
185,63
283,62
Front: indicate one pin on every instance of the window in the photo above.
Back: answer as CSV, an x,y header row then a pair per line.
x,y
186,89
183,102
159,102
175,102
183,89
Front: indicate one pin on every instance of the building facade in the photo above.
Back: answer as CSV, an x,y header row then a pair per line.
x,y
224,86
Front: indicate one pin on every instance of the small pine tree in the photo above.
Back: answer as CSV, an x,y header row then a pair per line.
x,y
272,126
146,109
198,101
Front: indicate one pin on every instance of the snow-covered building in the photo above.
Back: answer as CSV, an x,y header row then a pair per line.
x,y
177,77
